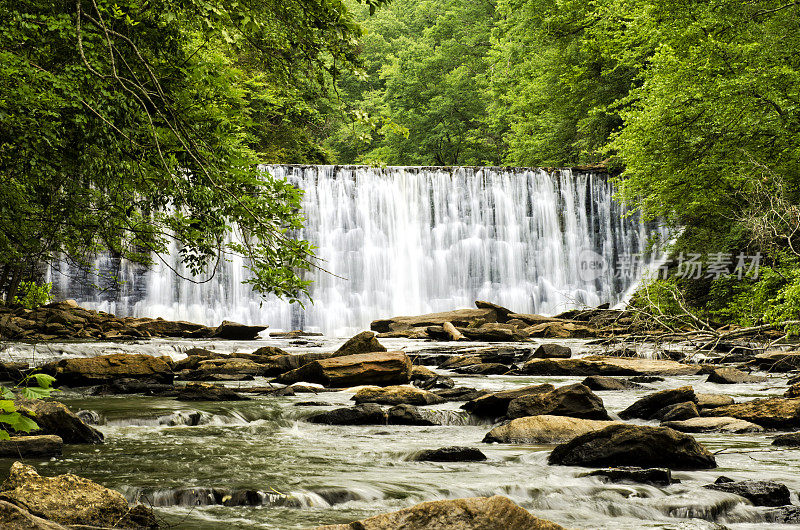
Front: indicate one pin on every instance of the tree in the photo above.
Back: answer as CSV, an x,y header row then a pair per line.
x,y
126,124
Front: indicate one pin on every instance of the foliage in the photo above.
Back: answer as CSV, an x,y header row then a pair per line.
x,y
33,294
127,124
33,386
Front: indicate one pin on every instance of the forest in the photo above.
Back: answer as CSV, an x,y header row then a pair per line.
x,y
693,107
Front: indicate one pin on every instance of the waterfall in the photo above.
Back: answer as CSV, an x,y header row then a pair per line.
x,y
411,240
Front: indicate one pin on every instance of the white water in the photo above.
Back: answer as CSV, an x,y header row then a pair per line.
x,y
408,240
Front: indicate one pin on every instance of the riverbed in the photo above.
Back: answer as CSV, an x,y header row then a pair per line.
x,y
188,460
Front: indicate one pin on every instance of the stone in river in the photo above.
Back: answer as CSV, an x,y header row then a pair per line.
x,y
43,446
599,365
377,368
647,407
633,445
721,424
575,400
495,404
366,414
658,476
396,395
235,331
727,375
543,429
451,454
773,413
474,513
759,492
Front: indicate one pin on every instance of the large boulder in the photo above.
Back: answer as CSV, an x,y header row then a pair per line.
x,y
377,368
726,375
599,365
72,500
55,418
475,513
396,395
575,400
235,331
495,404
721,424
365,414
633,445
648,406
773,413
89,371
42,446
364,342
787,440
759,492
543,429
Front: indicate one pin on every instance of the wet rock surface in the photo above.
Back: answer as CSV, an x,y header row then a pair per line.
x,y
633,445
379,368
451,454
543,429
459,514
759,492
656,476
575,400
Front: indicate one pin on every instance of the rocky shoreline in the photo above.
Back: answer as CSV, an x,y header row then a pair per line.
x,y
395,388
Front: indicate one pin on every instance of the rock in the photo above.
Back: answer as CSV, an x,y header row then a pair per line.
x,y
377,368
599,365
551,351
474,513
543,429
646,379
409,415
235,331
89,371
311,404
633,445
561,330
206,392
55,418
459,318
677,412
495,405
777,361
501,312
452,332
89,417
224,369
13,371
43,446
783,515
450,454
396,395
494,333
366,414
461,394
787,440
647,407
725,375
133,386
712,401
576,401
793,391
722,424
364,342
759,492
165,328
484,369
773,413
602,382
15,518
658,476
71,500
426,378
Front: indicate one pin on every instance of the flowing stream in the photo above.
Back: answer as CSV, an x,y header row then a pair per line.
x,y
257,464
408,240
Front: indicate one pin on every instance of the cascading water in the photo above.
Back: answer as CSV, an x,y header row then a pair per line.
x,y
411,240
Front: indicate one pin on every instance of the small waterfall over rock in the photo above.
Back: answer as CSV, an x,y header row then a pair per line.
x,y
411,240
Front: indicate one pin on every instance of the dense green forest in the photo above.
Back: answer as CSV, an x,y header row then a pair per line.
x,y
117,115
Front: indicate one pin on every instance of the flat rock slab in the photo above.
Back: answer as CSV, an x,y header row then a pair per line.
x,y
726,375
89,371
600,365
658,476
458,514
544,429
451,454
235,331
495,404
773,413
721,424
459,318
378,368
42,446
396,395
